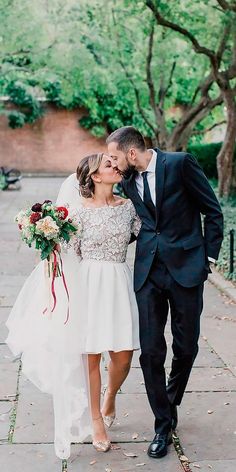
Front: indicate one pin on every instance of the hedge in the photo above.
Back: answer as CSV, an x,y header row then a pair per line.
x,y
206,155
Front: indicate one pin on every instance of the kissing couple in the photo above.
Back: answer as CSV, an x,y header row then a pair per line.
x,y
111,310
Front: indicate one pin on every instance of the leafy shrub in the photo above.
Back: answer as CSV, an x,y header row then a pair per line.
x,y
229,210
16,119
29,108
206,155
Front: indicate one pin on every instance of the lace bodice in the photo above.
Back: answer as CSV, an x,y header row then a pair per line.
x,y
106,232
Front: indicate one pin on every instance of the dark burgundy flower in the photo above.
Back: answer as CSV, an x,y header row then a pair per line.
x,y
37,207
35,217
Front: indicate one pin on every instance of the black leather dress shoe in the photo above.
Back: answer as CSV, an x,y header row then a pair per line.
x,y
158,447
174,417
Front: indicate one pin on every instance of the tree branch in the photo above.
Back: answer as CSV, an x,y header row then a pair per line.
x,y
223,42
227,6
130,78
183,31
203,87
152,95
138,101
193,116
205,130
163,91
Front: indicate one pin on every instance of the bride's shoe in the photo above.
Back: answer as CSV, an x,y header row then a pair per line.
x,y
101,446
108,419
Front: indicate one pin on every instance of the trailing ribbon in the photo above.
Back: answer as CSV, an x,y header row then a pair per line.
x,y
56,269
54,273
66,289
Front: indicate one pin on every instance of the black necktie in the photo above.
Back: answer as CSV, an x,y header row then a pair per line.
x,y
147,199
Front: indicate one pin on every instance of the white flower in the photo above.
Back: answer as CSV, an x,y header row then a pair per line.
x,y
25,221
22,219
48,227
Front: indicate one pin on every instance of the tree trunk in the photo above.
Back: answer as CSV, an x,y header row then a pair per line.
x,y
225,156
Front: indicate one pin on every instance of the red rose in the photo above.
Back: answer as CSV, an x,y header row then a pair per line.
x,y
35,217
63,212
37,207
20,227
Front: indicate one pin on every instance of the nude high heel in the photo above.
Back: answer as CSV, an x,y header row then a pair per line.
x,y
108,420
101,446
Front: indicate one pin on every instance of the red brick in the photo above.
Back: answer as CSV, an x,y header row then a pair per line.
x,y
55,143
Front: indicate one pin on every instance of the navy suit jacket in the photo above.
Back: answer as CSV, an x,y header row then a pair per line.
x,y
183,193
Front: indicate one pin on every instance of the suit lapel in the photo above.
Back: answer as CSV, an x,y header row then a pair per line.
x,y
135,197
160,180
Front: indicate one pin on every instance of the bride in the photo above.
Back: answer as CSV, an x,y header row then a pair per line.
x,y
64,359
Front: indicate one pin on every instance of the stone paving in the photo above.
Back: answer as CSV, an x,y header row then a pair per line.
x,y
207,418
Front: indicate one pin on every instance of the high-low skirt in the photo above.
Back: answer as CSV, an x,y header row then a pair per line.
x,y
103,316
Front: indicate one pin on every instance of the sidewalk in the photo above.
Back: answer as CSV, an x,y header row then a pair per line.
x,y
207,418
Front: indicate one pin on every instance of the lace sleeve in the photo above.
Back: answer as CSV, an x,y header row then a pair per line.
x,y
76,245
135,222
75,241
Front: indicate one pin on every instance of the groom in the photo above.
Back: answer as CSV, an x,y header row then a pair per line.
x,y
170,192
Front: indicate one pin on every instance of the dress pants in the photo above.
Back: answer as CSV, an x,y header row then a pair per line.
x,y
159,293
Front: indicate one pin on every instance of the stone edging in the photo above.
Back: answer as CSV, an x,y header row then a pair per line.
x,y
225,286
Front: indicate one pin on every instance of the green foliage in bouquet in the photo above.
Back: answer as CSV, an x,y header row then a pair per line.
x,y
47,226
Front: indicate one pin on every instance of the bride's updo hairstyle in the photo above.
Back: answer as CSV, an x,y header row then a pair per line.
x,y
88,166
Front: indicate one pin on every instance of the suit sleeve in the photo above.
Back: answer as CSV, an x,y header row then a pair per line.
x,y
204,197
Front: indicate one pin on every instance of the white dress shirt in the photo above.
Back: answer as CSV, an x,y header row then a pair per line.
x,y
151,178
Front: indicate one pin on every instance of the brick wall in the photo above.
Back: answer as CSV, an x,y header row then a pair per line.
x,y
55,143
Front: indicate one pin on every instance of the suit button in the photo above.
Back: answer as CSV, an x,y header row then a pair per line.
x,y
158,231
152,252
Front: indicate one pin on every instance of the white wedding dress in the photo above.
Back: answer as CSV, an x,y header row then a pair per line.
x,y
103,314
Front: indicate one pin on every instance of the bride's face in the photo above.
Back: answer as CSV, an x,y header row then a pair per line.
x,y
107,173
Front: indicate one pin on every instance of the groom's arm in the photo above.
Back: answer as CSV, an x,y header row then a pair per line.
x,y
203,196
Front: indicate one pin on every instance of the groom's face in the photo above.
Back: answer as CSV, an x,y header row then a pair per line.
x,y
121,160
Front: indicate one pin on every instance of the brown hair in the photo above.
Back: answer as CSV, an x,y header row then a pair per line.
x,y
88,166
126,137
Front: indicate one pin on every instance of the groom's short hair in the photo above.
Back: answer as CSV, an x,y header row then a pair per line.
x,y
127,137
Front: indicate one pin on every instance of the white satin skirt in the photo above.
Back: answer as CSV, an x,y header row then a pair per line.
x,y
103,316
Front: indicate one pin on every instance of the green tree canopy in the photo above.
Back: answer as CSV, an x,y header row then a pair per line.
x,y
124,61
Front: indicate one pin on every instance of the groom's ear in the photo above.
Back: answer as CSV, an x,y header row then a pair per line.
x,y
132,154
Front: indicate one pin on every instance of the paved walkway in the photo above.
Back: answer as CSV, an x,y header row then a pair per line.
x,y
207,426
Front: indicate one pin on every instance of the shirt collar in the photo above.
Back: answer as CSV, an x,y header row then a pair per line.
x,y
152,164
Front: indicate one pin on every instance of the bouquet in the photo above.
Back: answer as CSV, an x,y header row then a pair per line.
x,y
48,226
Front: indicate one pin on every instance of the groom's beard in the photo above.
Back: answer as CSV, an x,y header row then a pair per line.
x,y
129,171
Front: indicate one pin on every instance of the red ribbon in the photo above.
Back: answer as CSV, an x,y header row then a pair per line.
x,y
66,289
53,281
53,284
